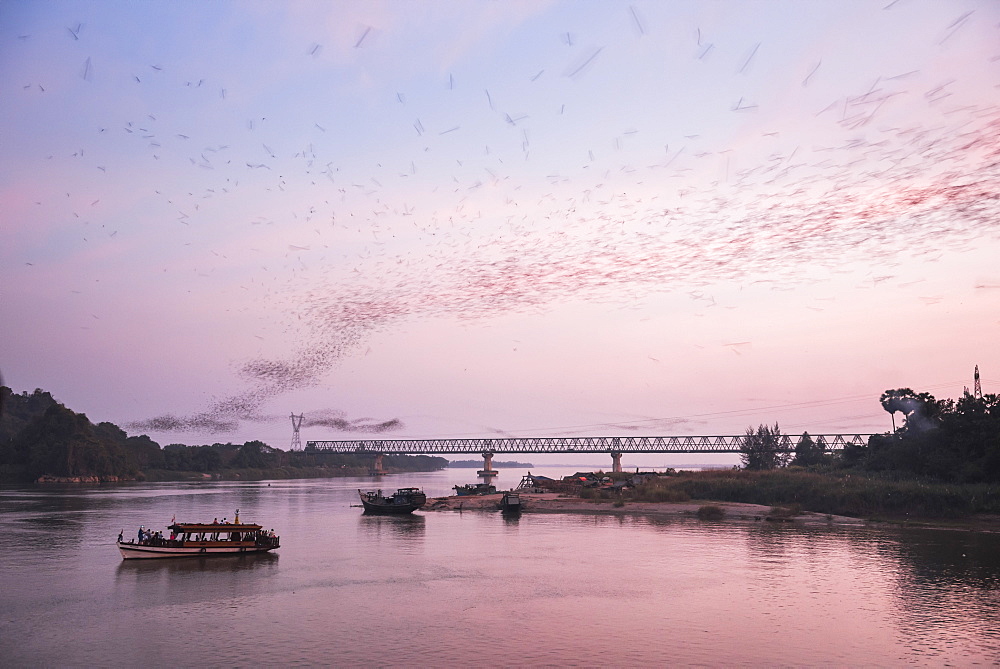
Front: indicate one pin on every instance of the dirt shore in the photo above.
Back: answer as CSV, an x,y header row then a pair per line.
x,y
558,503
733,511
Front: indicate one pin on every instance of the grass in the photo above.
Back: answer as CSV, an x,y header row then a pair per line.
x,y
837,492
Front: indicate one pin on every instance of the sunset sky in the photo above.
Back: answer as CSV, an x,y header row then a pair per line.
x,y
481,218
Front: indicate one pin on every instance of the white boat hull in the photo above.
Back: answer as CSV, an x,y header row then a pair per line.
x,y
136,551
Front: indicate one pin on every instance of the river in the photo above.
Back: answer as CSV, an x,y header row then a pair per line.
x,y
473,588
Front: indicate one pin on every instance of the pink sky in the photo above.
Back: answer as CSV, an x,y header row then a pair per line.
x,y
472,219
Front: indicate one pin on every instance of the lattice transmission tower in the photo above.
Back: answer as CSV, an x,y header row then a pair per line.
x,y
296,424
977,390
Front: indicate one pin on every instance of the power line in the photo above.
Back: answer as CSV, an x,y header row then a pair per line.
x,y
810,404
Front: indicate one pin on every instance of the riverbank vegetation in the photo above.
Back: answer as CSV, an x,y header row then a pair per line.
x,y
835,491
40,439
953,441
944,461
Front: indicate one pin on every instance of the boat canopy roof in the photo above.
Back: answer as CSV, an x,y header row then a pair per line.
x,y
214,527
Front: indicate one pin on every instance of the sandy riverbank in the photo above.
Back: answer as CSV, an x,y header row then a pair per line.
x,y
734,511
558,503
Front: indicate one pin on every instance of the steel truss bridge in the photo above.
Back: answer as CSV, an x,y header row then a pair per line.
x,y
614,446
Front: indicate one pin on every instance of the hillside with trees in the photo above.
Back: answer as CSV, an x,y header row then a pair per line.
x,y
40,439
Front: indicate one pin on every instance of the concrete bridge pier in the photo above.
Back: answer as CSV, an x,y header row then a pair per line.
x,y
616,454
487,471
377,469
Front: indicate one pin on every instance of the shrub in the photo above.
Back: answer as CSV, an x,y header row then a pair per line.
x,y
785,511
711,512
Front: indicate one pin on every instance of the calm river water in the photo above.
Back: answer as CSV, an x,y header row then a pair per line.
x,y
461,589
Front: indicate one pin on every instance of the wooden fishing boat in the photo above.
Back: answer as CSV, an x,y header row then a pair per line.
x,y
404,500
200,540
470,489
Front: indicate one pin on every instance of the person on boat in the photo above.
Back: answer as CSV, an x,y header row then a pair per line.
x,y
140,534
121,536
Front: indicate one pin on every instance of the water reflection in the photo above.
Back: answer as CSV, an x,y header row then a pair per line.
x,y
215,583
729,593
946,582
64,502
967,558
130,569
511,519
409,527
771,546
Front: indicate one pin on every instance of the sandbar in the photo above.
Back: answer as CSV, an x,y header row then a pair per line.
x,y
560,503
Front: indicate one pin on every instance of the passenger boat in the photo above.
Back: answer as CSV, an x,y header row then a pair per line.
x,y
510,502
475,489
200,540
404,500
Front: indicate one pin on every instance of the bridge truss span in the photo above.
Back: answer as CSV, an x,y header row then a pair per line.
x,y
628,444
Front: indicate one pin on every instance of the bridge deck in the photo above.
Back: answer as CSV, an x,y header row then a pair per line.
x,y
681,444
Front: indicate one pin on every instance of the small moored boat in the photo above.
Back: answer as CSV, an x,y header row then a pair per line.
x,y
200,540
404,500
510,502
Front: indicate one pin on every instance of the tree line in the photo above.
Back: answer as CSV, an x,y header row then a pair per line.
x,y
41,437
944,440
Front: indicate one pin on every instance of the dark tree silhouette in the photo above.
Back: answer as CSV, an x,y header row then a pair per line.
x,y
808,452
921,411
762,448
